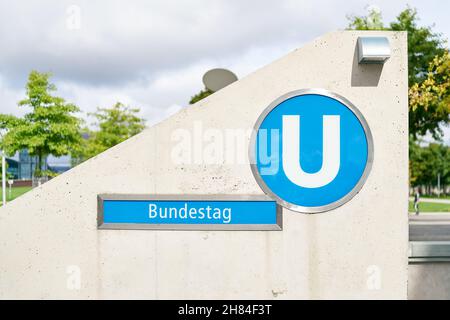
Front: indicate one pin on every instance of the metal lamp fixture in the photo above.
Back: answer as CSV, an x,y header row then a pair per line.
x,y
373,50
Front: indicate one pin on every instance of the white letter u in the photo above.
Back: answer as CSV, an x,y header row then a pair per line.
x,y
330,155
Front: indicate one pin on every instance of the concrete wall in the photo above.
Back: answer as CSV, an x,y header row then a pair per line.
x,y
356,251
430,280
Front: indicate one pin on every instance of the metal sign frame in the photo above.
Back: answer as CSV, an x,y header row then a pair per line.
x,y
178,197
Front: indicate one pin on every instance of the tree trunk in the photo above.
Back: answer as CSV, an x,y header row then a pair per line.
x,y
38,176
39,165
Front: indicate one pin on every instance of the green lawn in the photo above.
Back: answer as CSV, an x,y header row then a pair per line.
x,y
430,207
15,192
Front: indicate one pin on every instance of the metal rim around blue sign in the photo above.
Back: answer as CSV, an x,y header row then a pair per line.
x,y
131,212
321,208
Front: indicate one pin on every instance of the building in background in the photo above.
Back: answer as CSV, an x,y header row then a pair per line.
x,y
13,168
22,165
27,165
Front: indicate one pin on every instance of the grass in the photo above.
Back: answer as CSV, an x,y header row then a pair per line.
x,y
15,192
430,207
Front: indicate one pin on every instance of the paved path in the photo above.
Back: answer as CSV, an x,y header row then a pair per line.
x,y
434,200
429,227
429,215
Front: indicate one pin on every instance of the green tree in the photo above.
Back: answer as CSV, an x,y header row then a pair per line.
x,y
439,163
113,125
6,122
424,46
429,100
426,163
50,128
373,21
416,165
201,95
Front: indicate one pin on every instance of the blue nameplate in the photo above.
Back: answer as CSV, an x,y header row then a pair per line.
x,y
182,212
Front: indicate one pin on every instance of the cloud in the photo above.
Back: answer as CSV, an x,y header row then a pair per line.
x,y
114,42
152,54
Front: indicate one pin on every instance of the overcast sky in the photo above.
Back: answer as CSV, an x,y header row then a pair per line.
x,y
152,54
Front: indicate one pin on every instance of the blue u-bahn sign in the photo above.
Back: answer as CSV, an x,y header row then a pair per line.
x,y
312,150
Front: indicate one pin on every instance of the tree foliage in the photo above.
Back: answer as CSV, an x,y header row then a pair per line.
x,y
429,100
427,60
423,44
426,163
6,123
113,125
51,126
373,21
201,95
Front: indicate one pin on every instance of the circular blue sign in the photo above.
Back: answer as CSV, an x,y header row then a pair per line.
x,y
312,150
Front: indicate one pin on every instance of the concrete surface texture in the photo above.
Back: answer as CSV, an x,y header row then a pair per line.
x,y
50,246
429,281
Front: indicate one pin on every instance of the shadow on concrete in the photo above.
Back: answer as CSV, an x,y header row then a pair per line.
x,y
365,75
